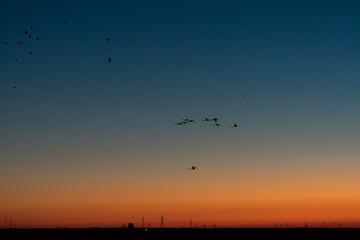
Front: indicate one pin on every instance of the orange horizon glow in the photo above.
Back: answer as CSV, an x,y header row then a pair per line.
x,y
246,214
255,199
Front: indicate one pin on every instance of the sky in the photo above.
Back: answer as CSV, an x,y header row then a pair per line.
x,y
85,142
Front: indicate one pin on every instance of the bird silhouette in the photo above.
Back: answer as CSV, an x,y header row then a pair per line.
x,y
206,120
15,60
5,62
26,32
216,124
29,36
178,124
215,120
13,55
108,39
37,38
235,125
14,86
109,59
31,27
19,42
30,53
65,22
6,43
193,168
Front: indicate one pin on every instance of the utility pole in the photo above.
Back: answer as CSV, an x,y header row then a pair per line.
x,y
10,222
29,224
190,223
162,221
143,222
5,223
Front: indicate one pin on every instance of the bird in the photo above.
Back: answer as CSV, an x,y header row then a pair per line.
x,y
109,59
30,53
26,32
6,43
206,119
13,55
37,38
31,27
14,86
29,36
235,125
178,124
187,120
193,168
215,120
65,22
216,124
15,60
108,39
5,62
19,42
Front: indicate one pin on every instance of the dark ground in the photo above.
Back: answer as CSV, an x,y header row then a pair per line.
x,y
182,233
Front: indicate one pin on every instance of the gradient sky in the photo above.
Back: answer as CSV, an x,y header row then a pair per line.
x,y
88,143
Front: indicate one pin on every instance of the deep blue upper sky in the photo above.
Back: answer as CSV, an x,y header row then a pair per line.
x,y
286,71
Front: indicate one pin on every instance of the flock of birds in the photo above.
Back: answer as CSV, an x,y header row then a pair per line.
x,y
29,34
186,121
215,121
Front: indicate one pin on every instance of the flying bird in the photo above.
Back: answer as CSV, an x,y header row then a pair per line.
x,y
65,22
13,55
31,27
30,53
193,168
215,120
216,124
19,42
5,62
26,32
14,86
187,120
178,124
109,59
29,36
235,125
206,119
6,43
108,39
37,38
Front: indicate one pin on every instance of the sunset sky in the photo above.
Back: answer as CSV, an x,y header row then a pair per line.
x,y
86,143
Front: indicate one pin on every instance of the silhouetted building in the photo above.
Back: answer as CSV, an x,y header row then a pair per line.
x,y
131,226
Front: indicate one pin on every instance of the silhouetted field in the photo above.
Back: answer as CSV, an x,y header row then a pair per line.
x,y
181,233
